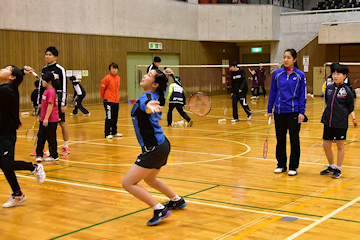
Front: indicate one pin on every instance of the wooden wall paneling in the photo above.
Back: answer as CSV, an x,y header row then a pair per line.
x,y
94,53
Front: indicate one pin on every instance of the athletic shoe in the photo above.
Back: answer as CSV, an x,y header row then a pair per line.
x,y
292,172
176,204
87,114
65,151
38,159
118,135
39,173
50,159
355,122
14,200
72,114
109,137
265,97
279,170
34,153
337,173
327,171
253,97
191,123
249,117
159,215
234,120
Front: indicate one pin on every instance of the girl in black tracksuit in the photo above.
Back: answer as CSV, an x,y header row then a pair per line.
x,y
339,104
79,91
10,79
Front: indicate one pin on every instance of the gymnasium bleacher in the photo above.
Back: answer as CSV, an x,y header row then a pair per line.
x,y
336,4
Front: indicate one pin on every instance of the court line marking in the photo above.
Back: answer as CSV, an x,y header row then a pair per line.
x,y
221,185
317,222
225,157
342,183
161,197
118,145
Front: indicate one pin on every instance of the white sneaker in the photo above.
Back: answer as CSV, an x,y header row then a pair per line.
x,y
87,115
279,170
38,159
50,159
39,173
13,201
109,137
71,114
249,117
292,172
234,120
253,97
118,135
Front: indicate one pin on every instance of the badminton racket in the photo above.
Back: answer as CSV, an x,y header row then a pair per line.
x,y
199,103
265,150
225,110
30,132
316,152
356,80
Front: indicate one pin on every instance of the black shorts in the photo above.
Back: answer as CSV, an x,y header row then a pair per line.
x,y
61,114
331,133
154,157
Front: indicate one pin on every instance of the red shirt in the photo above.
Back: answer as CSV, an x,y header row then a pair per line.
x,y
109,89
49,96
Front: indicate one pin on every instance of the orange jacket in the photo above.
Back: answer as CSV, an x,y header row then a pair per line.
x,y
109,88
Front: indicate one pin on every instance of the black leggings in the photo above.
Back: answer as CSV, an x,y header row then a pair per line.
x,y
111,112
79,105
7,162
179,108
283,123
47,134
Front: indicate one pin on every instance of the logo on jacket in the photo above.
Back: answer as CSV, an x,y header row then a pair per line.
x,y
237,76
342,93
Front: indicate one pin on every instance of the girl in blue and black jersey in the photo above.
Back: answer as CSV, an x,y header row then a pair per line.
x,y
288,98
155,147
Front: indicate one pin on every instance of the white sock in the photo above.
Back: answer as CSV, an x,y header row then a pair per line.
x,y
158,206
333,166
338,168
66,143
176,198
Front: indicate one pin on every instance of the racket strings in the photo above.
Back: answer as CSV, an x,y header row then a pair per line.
x,y
199,104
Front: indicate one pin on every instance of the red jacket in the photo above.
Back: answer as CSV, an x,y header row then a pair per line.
x,y
109,88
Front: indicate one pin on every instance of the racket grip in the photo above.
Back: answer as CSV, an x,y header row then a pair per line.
x,y
34,73
269,122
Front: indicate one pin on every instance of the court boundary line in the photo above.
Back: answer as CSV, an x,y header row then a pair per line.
x,y
317,222
162,197
222,185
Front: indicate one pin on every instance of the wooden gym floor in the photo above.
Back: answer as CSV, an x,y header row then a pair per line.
x,y
230,189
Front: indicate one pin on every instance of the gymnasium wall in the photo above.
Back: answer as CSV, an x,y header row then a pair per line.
x,y
95,52
143,18
340,34
297,29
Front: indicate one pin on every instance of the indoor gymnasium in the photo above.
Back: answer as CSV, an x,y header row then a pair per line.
x,y
165,119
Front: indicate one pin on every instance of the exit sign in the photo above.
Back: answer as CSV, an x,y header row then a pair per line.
x,y
256,49
155,45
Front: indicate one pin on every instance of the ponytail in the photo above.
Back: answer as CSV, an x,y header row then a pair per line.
x,y
162,80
